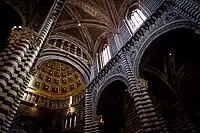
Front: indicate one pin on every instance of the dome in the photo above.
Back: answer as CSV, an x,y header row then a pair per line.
x,y
56,79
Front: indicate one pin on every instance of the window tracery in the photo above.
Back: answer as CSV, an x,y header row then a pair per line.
x,y
70,121
106,55
137,18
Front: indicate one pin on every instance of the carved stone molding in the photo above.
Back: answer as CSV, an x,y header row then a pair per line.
x,y
170,16
164,29
142,83
188,8
50,103
49,54
24,33
104,71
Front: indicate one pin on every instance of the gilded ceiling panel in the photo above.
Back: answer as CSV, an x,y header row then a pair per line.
x,y
55,79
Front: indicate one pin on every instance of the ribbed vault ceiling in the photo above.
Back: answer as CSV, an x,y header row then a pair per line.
x,y
86,21
90,21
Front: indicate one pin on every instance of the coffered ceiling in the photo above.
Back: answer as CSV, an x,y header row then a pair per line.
x,y
55,79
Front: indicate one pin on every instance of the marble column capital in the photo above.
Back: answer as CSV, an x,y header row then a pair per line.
x,y
142,83
23,33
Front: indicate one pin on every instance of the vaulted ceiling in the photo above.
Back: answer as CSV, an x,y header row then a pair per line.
x,y
90,21
87,22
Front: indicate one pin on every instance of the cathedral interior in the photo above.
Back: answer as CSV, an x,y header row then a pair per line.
x,y
99,66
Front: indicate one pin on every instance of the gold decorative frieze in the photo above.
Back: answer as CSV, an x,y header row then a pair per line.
x,y
51,103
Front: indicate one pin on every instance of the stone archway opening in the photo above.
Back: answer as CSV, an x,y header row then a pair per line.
x,y
117,110
171,66
111,107
26,124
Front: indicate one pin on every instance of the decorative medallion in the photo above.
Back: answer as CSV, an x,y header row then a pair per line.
x,y
170,16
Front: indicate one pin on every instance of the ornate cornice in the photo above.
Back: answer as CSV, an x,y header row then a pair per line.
x,y
68,37
76,42
104,71
55,54
50,103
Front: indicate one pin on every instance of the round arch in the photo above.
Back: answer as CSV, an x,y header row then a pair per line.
x,y
110,105
73,40
106,34
128,12
134,5
169,27
57,55
170,44
116,77
24,124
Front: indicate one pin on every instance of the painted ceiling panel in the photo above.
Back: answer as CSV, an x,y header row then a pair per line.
x,y
118,4
73,32
64,16
99,3
56,79
83,14
81,19
95,32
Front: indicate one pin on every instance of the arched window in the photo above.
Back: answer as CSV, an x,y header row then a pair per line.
x,y
70,121
106,55
137,18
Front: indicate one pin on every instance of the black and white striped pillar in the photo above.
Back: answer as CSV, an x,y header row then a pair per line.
x,y
188,8
143,104
91,126
21,39
16,62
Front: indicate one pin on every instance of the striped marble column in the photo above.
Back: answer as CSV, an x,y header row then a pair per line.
x,y
188,8
21,39
48,24
90,125
13,72
6,53
143,104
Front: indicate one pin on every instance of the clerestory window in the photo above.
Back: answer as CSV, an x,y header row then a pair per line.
x,y
137,18
105,52
105,55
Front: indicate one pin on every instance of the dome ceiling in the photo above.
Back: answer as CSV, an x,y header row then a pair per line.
x,y
56,79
